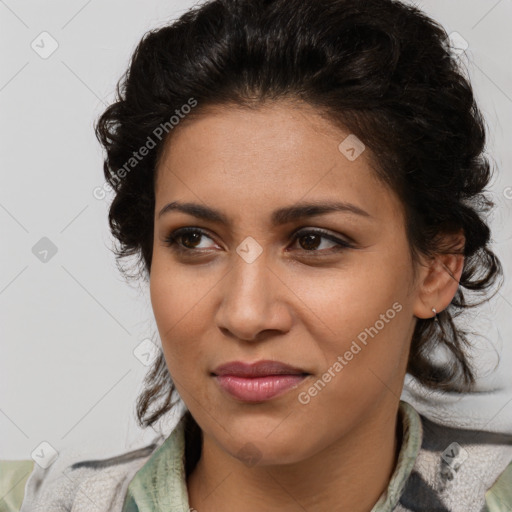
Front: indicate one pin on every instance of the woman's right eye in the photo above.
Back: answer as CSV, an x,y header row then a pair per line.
x,y
186,239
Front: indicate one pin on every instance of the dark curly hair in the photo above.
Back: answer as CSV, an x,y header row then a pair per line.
x,y
379,68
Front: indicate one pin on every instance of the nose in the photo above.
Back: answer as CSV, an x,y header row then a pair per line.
x,y
254,302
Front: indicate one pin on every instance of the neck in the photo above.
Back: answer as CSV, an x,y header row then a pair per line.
x,y
350,474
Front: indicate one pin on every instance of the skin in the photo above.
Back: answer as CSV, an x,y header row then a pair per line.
x,y
299,302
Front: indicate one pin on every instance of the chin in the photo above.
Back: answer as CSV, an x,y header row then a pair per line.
x,y
262,449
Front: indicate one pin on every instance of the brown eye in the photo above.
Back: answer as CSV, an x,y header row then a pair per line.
x,y
189,239
186,239
310,241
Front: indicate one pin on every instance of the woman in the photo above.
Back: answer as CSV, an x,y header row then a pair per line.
x,y
304,184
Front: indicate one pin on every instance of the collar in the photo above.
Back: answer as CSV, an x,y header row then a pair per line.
x,y
160,485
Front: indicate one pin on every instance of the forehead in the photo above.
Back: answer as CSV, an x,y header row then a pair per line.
x,y
280,152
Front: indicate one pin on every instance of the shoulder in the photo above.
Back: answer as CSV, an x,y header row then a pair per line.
x,y
460,470
13,477
499,497
62,487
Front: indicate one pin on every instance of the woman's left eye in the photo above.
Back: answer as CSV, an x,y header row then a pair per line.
x,y
309,240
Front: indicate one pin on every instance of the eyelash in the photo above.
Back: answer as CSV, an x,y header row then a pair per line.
x,y
171,240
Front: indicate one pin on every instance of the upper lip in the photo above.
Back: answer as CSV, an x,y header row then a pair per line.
x,y
257,369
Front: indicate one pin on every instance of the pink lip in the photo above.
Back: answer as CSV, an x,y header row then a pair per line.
x,y
258,389
259,381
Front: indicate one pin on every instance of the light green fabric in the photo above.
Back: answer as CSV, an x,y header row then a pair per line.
x,y
13,477
499,497
160,485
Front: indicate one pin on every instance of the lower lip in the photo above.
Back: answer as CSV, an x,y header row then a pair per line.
x,y
258,389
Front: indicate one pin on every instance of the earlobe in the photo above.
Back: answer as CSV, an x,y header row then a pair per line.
x,y
438,284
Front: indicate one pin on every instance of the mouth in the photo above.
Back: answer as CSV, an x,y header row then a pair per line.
x,y
258,382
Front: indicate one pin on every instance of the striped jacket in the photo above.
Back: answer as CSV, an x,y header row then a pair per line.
x,y
440,469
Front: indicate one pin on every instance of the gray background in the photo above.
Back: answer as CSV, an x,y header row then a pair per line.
x,y
69,326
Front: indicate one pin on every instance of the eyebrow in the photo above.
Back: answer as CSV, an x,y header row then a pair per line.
x,y
279,217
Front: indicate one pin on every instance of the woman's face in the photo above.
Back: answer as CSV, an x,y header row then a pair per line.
x,y
248,289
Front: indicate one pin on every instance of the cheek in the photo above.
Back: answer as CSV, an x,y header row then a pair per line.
x,y
363,314
175,290
347,300
176,302
363,354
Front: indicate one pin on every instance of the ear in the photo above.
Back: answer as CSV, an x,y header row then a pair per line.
x,y
439,277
